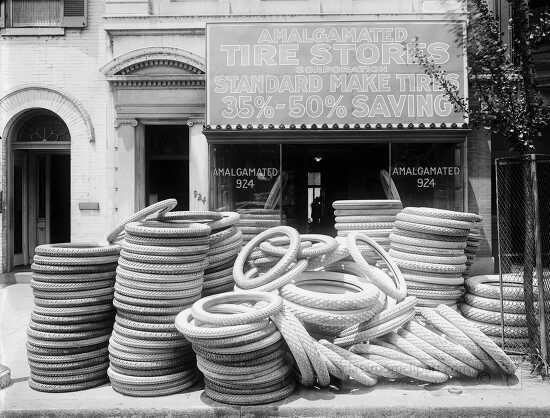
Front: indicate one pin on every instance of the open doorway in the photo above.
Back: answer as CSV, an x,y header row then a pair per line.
x,y
167,164
317,175
40,184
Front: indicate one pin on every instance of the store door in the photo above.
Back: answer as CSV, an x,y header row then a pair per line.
x,y
41,202
320,174
167,164
20,240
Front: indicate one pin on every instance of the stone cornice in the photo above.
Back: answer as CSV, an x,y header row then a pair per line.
x,y
158,82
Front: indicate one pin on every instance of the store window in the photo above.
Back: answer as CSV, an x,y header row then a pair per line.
x,y
245,176
428,174
313,176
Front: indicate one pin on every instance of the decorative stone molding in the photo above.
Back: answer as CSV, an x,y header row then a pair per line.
x,y
66,107
140,58
155,82
156,67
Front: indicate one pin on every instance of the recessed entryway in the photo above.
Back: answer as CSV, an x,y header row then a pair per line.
x,y
39,186
167,164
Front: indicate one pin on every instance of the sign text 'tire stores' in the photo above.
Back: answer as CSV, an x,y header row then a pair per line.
x,y
317,72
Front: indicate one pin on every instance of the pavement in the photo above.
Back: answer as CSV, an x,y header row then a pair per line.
x,y
520,395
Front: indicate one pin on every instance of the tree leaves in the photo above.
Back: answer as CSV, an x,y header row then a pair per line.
x,y
497,85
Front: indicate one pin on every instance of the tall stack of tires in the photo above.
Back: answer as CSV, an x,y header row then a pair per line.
x,y
73,315
160,273
428,246
224,243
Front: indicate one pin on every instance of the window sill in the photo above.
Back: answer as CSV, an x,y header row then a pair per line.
x,y
36,31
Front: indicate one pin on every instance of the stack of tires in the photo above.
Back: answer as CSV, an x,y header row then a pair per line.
x,y
160,273
254,221
240,351
473,241
73,316
225,242
374,218
428,246
483,307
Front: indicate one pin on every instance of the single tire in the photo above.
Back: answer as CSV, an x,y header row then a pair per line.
x,y
437,259
443,214
161,207
367,204
74,261
482,286
490,317
494,305
364,219
434,221
76,249
402,237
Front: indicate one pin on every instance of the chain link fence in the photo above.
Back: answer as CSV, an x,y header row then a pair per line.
x,y
523,222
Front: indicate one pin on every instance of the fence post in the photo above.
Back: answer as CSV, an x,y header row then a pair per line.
x,y
539,267
497,179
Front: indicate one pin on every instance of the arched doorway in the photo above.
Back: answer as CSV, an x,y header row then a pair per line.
x,y
40,182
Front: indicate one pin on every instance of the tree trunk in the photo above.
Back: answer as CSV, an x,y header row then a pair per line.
x,y
520,13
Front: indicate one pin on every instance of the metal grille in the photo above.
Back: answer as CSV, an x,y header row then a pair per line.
x,y
523,220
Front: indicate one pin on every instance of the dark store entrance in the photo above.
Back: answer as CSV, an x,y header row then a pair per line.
x,y
167,164
317,175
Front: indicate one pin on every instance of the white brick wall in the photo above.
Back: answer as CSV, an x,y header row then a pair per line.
x,y
69,63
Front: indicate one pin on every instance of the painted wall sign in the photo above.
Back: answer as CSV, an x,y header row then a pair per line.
x,y
426,176
330,72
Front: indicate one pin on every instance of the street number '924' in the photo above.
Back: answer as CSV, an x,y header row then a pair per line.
x,y
425,183
244,184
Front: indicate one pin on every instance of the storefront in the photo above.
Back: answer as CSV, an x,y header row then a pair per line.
x,y
302,114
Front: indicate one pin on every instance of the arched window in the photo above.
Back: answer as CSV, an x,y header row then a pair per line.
x,y
40,125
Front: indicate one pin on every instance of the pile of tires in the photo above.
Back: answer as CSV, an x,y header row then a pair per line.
x,y
428,246
482,306
373,218
159,274
254,221
240,352
73,316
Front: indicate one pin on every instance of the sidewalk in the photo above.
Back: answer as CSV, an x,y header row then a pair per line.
x,y
521,395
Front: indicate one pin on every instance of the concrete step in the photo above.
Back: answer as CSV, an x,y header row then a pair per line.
x,y
18,277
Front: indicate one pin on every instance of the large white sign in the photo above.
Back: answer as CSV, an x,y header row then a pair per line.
x,y
337,72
